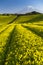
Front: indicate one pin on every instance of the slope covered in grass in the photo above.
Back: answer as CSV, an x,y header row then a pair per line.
x,y
37,19
25,18
29,18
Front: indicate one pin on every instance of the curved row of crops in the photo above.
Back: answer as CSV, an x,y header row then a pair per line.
x,y
4,39
39,23
35,28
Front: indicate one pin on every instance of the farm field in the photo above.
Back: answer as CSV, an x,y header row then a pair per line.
x,y
21,40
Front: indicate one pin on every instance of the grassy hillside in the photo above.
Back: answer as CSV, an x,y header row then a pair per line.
x,y
4,19
21,40
26,18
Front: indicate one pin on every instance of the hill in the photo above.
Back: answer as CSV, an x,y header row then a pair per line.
x,y
33,12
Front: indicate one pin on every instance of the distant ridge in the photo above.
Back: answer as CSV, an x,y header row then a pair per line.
x,y
33,12
29,13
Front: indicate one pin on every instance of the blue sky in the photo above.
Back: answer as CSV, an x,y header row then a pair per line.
x,y
12,6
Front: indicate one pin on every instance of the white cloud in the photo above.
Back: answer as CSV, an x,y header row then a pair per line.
x,y
28,9
30,6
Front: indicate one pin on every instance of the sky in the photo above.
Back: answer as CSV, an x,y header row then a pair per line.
x,y
13,6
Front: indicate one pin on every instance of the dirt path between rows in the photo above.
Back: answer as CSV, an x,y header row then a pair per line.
x,y
13,20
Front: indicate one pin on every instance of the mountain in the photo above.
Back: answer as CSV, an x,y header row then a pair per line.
x,y
28,9
33,12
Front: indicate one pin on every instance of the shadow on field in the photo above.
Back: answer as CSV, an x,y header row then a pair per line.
x,y
34,31
36,19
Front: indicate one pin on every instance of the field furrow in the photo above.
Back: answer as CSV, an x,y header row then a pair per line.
x,y
4,42
34,28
